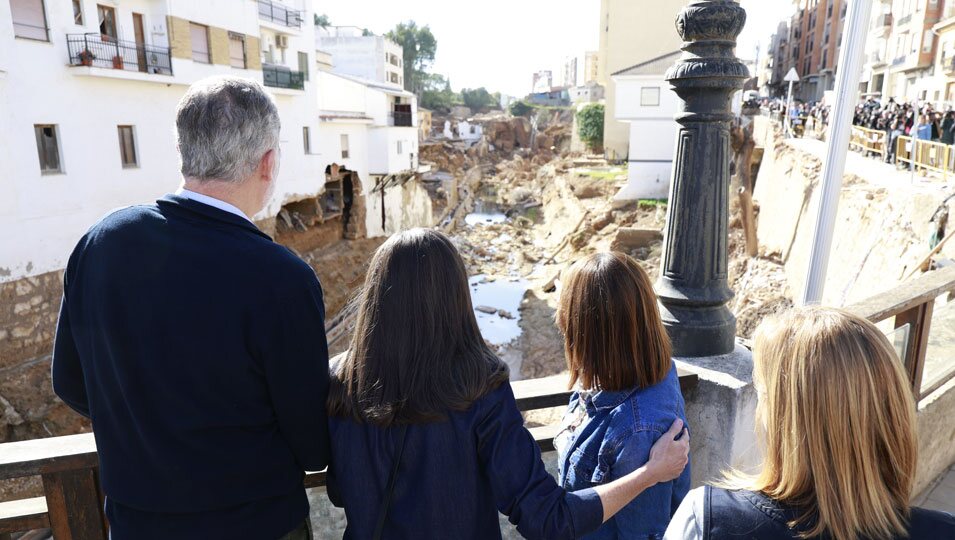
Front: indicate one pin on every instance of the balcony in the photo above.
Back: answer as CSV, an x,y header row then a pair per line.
x,y
283,77
99,51
400,119
279,14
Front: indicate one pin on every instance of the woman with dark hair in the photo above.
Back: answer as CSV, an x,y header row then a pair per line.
x,y
627,394
427,440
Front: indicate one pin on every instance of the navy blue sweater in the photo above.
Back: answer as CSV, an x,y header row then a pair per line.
x,y
197,347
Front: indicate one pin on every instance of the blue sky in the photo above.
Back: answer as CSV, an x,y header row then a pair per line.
x,y
500,43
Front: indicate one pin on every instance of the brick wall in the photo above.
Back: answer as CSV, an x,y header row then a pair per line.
x,y
253,54
219,45
179,39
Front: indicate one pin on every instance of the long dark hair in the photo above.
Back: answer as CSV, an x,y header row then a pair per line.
x,y
417,352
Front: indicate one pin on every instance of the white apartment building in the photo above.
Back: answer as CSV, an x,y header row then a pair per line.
x,y
368,138
88,93
375,58
646,102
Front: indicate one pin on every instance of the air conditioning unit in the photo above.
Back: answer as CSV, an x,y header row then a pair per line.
x,y
281,41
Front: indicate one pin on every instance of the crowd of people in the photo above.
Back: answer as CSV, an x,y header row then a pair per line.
x,y
196,346
919,121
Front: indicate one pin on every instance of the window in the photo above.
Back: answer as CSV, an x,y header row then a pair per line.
x,y
48,148
107,21
127,146
344,139
307,140
29,19
77,12
650,96
399,148
237,50
303,64
199,36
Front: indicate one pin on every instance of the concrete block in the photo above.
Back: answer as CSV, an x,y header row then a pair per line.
x,y
721,413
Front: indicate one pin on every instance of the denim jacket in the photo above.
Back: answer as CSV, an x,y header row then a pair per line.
x,y
621,428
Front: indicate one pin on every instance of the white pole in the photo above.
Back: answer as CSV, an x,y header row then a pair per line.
x,y
789,104
840,124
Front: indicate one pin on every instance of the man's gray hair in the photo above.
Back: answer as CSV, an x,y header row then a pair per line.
x,y
224,126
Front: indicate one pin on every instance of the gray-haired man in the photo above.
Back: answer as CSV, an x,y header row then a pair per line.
x,y
196,344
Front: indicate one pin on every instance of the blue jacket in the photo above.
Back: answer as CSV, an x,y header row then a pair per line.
x,y
197,347
454,478
616,440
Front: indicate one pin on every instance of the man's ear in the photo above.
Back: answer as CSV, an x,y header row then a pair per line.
x,y
267,165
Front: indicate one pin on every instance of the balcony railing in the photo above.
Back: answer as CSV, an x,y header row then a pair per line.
x,y
282,77
401,118
277,13
95,50
68,466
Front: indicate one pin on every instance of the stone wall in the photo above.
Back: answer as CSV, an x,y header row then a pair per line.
x,y
28,312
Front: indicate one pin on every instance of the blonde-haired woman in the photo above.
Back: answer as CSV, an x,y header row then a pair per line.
x,y
837,417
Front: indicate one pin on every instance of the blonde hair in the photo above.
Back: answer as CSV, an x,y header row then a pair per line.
x,y
839,425
614,338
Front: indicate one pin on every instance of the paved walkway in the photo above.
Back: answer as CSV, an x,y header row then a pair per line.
x,y
941,495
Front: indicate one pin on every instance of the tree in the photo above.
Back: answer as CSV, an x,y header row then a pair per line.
x,y
436,93
322,20
418,48
477,99
590,125
521,108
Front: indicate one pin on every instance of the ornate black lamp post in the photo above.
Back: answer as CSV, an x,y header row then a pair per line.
x,y
693,287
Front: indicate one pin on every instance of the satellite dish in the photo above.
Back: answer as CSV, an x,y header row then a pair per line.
x,y
791,76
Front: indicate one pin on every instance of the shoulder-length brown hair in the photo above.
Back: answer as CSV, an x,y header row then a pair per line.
x,y
837,417
614,338
416,352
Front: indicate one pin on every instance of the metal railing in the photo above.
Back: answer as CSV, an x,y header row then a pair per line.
x,y
96,50
911,305
922,155
270,11
281,77
72,504
869,140
400,119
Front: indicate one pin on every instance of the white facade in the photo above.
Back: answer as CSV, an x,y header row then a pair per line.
x,y
360,114
375,58
649,105
589,93
43,214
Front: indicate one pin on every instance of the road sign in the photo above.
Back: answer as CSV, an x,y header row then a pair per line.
x,y
792,76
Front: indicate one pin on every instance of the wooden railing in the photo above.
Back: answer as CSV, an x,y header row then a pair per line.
x,y
73,502
869,140
925,155
912,303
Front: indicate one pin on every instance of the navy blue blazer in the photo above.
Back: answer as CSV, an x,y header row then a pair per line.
x,y
197,347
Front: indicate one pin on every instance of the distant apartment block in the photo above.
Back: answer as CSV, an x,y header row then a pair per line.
x,y
591,65
370,57
542,81
570,72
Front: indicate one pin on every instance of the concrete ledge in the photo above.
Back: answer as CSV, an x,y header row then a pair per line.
x,y
721,412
